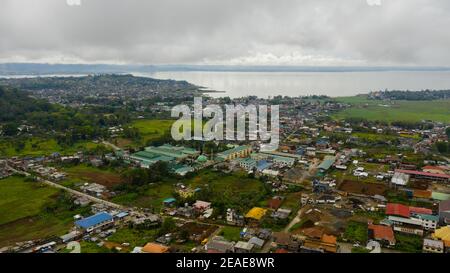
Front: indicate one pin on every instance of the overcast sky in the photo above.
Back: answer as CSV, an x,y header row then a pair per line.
x,y
258,32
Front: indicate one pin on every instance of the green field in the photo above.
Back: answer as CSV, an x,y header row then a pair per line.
x,y
236,190
412,111
151,129
19,199
39,146
23,216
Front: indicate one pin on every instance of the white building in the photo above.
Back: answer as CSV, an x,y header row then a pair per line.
x,y
433,246
400,179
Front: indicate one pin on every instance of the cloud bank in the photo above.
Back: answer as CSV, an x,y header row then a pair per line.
x,y
238,32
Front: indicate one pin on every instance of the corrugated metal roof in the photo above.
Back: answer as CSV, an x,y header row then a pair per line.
x,y
397,209
94,220
424,173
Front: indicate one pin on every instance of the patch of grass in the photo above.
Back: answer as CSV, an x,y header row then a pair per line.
x,y
303,223
90,247
356,232
135,237
408,243
151,129
24,211
360,250
231,233
19,199
33,228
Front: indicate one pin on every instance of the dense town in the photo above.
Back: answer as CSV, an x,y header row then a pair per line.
x,y
332,186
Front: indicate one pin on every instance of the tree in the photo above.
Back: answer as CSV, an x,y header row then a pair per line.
x,y
442,147
447,131
10,129
167,226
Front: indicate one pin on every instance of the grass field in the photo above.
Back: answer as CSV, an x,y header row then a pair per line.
x,y
19,199
151,129
412,111
22,217
39,146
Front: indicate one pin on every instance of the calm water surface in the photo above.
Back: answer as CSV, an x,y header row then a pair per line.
x,y
264,84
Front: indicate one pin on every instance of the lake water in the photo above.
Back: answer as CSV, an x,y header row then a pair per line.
x,y
333,84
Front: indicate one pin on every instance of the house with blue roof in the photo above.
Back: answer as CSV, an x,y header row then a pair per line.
x,y
97,221
263,164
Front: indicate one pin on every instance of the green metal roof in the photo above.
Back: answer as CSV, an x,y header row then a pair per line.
x,y
173,151
440,196
428,217
327,162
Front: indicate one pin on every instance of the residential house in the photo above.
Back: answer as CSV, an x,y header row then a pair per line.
x,y
400,179
433,246
95,222
255,215
281,213
443,234
381,233
155,248
257,242
243,247
201,206
410,220
282,239
219,245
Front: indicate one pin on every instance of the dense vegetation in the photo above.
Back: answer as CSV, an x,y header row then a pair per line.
x,y
15,105
64,124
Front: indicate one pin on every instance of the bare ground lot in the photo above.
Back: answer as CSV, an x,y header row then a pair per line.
x,y
358,187
107,178
198,232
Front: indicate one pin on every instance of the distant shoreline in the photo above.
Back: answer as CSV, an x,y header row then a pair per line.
x,y
206,89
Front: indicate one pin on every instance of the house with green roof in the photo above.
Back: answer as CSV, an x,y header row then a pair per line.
x,y
165,153
247,163
327,162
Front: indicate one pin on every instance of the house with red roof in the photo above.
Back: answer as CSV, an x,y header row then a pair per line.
x,y
382,234
397,210
435,169
426,175
412,220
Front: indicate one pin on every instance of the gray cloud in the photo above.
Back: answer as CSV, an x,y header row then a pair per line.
x,y
297,32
